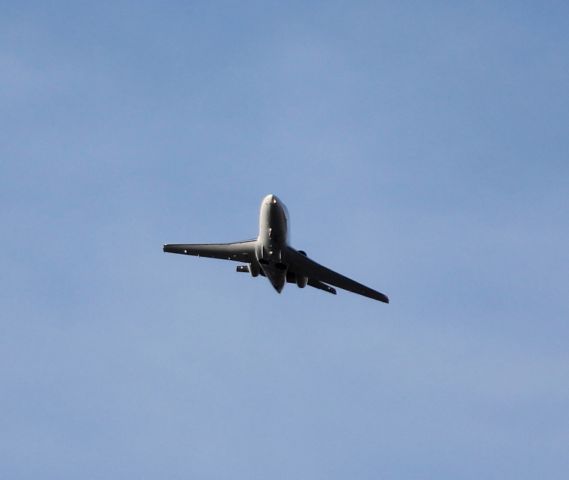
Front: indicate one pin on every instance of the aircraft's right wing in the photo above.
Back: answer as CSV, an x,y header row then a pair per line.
x,y
302,265
238,251
321,286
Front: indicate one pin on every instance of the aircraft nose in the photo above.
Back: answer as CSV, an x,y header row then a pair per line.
x,y
272,199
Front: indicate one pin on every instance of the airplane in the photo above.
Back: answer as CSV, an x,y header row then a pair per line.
x,y
270,256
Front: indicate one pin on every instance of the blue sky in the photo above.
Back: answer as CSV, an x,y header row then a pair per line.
x,y
420,149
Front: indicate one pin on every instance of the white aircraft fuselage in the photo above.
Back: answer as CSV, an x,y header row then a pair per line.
x,y
272,241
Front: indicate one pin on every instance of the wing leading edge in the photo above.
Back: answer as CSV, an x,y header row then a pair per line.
x,y
318,276
303,265
238,251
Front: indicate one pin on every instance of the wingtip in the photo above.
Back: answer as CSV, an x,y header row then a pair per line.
x,y
383,298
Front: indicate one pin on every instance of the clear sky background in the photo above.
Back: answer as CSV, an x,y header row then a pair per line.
x,y
421,148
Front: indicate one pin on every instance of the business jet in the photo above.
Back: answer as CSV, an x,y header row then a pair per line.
x,y
270,256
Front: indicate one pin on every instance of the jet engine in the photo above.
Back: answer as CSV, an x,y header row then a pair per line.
x,y
254,269
301,281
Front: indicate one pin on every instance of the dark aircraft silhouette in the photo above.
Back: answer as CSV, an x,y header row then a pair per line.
x,y
270,256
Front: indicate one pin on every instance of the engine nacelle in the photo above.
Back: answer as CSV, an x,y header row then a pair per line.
x,y
301,281
255,269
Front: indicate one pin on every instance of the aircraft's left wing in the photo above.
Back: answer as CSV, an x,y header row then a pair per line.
x,y
238,251
302,265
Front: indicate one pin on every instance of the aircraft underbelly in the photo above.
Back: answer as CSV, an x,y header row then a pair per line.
x,y
272,244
